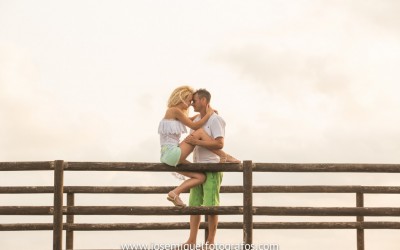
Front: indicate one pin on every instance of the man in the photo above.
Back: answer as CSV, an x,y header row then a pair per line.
x,y
206,194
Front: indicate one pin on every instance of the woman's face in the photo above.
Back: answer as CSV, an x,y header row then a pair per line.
x,y
188,101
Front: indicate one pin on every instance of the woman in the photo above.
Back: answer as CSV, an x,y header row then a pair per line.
x,y
170,129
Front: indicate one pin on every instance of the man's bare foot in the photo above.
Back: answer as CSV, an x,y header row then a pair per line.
x,y
222,159
227,158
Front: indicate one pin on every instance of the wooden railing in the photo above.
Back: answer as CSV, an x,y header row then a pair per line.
x,y
247,209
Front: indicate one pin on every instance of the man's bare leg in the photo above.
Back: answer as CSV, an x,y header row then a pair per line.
x,y
194,229
212,228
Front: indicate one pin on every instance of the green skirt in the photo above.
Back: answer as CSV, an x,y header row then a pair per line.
x,y
170,154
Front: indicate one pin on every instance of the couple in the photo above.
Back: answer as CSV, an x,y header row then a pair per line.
x,y
206,141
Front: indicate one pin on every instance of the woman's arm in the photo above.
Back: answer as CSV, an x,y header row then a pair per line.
x,y
188,122
193,117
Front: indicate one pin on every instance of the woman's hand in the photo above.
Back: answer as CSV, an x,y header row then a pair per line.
x,y
210,111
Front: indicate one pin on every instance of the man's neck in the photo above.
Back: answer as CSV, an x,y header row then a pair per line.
x,y
202,113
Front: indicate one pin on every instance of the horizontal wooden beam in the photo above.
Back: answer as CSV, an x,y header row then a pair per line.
x,y
237,225
26,227
222,210
26,210
134,226
326,167
225,167
203,225
224,189
327,211
104,189
328,189
27,190
152,167
154,210
327,225
26,166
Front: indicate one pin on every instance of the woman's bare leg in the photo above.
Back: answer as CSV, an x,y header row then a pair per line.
x,y
195,178
200,134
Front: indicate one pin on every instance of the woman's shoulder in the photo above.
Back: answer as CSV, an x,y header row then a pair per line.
x,y
172,112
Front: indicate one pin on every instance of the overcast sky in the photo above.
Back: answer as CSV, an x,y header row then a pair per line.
x,y
296,81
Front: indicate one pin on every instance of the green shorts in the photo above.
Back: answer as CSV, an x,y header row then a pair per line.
x,y
207,194
170,154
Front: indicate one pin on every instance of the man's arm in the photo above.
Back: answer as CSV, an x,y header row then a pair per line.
x,y
217,143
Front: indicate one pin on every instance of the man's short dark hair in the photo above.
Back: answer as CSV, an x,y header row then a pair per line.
x,y
203,93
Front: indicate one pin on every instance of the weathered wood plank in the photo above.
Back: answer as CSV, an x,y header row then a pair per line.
x,y
328,189
133,226
27,190
326,225
327,211
326,167
225,167
26,210
58,205
69,236
27,166
203,225
153,167
360,231
247,202
224,189
26,227
156,210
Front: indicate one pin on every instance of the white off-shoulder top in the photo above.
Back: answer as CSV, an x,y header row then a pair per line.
x,y
170,131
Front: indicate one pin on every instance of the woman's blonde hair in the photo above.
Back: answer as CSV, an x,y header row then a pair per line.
x,y
179,95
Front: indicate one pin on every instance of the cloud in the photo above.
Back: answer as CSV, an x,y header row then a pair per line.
x,y
35,126
381,14
326,90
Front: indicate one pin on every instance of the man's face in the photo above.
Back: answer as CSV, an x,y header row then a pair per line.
x,y
197,103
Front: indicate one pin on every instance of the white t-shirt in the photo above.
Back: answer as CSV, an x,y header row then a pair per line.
x,y
214,127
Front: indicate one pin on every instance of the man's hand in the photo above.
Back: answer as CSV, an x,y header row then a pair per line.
x,y
191,140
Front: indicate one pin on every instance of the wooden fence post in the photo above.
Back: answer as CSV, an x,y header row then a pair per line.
x,y
247,202
206,229
69,240
58,204
360,231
